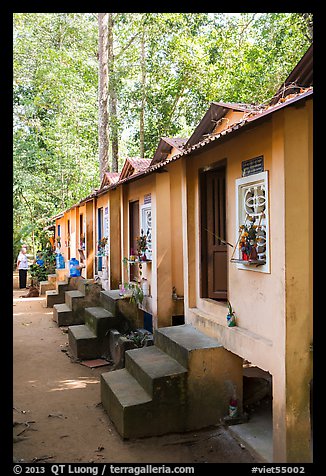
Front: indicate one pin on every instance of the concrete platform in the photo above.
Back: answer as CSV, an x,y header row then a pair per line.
x,y
257,434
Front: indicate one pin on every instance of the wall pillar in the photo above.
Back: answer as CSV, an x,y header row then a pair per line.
x,y
90,239
298,283
162,263
115,238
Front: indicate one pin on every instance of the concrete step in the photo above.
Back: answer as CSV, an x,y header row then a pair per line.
x,y
52,278
190,377
82,284
61,274
134,412
83,343
158,373
74,299
128,405
214,373
62,314
46,286
62,286
99,320
53,297
180,341
109,300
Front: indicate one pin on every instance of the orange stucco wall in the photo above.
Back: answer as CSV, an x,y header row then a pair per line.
x,y
274,310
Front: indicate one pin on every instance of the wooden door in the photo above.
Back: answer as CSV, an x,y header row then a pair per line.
x,y
99,236
133,234
214,224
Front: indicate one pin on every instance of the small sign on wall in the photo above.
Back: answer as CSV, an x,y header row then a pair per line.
x,y
147,198
252,166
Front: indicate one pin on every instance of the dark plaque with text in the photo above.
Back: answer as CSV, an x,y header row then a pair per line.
x,y
253,166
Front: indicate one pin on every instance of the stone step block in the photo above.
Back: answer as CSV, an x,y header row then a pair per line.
x,y
53,297
110,299
181,341
128,405
82,284
158,373
99,320
62,286
83,343
46,286
75,299
62,315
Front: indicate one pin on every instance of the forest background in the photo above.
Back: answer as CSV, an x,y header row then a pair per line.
x,y
164,69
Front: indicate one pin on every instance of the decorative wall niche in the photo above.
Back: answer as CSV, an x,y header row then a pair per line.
x,y
252,241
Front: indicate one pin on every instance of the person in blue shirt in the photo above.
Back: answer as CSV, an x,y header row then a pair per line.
x,y
39,259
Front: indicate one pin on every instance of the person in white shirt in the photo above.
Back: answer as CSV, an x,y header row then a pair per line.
x,y
22,266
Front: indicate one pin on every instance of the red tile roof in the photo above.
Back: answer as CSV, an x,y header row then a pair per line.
x,y
164,148
133,165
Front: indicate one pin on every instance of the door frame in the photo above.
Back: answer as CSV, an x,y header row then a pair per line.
x,y
203,254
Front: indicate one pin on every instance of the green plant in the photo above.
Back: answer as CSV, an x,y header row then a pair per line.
x,y
231,312
142,242
231,317
137,295
138,338
38,273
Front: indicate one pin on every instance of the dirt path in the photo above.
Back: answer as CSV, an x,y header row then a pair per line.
x,y
60,401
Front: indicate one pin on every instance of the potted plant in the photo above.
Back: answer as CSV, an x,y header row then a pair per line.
x,y
231,317
248,241
142,244
137,294
101,245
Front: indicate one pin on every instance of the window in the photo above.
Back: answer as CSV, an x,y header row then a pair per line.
x,y
252,213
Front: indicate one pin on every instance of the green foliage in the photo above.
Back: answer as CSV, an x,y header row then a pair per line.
x,y
137,295
138,338
191,59
40,273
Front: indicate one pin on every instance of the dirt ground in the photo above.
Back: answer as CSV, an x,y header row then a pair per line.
x,y
57,411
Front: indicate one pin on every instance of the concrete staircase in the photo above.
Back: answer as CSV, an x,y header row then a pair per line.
x,y
91,339
183,382
70,299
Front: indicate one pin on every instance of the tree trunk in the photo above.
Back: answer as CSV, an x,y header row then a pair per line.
x,y
112,98
103,138
143,97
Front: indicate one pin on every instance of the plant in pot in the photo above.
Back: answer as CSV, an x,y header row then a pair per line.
x,y
137,294
142,244
231,317
101,245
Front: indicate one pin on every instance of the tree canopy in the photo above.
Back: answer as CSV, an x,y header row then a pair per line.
x,y
166,69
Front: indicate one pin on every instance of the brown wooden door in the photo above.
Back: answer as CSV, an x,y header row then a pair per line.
x,y
216,252
133,234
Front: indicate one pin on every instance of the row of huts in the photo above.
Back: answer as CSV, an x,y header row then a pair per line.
x,y
228,214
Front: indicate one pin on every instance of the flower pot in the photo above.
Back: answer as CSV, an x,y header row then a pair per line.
x,y
230,318
245,257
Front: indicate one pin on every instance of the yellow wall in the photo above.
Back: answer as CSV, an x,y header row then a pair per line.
x,y
175,172
131,192
274,310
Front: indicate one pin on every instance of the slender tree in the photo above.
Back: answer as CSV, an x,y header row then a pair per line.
x,y
143,94
103,58
113,121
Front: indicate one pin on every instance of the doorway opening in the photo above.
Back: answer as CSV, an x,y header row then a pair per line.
x,y
256,432
213,245
133,235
